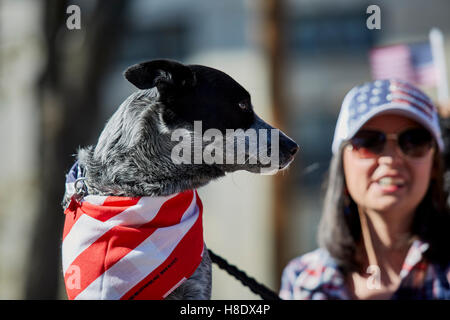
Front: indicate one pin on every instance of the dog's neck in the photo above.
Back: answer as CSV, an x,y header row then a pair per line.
x,y
131,179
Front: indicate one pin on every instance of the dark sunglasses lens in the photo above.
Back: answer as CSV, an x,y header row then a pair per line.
x,y
415,142
368,143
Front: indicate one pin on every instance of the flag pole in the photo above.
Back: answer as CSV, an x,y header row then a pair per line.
x,y
438,52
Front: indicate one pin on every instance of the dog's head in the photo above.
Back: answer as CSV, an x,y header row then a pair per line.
x,y
195,93
187,125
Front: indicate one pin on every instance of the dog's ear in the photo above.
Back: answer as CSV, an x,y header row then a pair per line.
x,y
166,75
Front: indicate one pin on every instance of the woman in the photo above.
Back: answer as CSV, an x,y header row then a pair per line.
x,y
384,232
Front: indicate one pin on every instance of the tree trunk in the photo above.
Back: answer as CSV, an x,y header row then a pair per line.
x,y
69,91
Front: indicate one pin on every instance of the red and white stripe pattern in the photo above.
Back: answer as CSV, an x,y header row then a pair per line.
x,y
131,248
370,99
392,62
402,92
426,75
409,62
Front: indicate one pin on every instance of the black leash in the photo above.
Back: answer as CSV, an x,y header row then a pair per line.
x,y
247,281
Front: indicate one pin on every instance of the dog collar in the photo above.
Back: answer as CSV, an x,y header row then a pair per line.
x,y
131,247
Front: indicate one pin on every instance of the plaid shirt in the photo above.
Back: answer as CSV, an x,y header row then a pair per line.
x,y
316,276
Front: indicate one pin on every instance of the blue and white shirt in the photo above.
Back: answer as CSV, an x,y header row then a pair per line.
x,y
316,276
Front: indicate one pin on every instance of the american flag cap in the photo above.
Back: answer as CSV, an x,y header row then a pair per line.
x,y
392,96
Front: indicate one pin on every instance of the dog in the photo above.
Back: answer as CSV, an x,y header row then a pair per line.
x,y
134,155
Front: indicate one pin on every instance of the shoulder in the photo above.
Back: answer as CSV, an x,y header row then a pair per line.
x,y
311,260
314,275
440,281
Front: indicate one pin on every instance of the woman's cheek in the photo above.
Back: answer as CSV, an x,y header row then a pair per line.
x,y
357,178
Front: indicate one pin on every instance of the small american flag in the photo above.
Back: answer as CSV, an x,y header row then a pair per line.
x,y
409,62
131,248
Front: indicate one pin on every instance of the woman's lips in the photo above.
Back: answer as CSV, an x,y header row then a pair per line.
x,y
388,181
390,184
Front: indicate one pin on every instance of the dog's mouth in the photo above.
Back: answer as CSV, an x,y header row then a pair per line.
x,y
289,156
271,167
287,163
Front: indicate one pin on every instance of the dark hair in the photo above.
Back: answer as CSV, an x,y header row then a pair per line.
x,y
340,229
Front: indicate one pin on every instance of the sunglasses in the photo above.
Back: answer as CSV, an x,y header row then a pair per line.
x,y
414,143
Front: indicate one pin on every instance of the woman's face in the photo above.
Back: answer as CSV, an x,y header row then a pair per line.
x,y
391,181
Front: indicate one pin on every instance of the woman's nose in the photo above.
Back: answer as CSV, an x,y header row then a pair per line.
x,y
391,152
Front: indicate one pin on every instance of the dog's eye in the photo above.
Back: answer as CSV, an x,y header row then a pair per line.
x,y
244,105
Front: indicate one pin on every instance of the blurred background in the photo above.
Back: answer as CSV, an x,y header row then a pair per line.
x,y
297,58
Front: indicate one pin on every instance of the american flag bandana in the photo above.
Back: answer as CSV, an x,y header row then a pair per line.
x,y
364,102
130,247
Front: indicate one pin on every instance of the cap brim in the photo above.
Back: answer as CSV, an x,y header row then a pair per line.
x,y
402,110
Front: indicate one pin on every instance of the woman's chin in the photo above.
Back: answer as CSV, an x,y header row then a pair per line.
x,y
392,205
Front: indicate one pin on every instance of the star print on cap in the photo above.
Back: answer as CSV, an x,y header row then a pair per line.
x,y
392,96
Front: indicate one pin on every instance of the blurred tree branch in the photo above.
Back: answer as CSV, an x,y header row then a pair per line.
x,y
69,92
274,47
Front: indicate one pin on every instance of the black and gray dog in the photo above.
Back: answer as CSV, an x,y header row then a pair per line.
x,y
133,155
